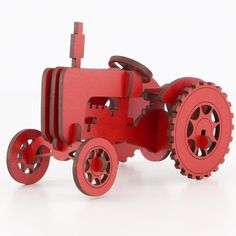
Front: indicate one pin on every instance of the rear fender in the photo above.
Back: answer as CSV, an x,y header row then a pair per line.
x,y
170,92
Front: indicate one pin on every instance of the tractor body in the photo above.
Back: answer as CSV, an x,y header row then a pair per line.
x,y
99,117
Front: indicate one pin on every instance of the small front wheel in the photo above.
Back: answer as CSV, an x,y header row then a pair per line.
x,y
95,166
27,160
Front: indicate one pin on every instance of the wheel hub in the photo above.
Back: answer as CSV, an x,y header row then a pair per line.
x,y
203,133
204,127
97,166
203,130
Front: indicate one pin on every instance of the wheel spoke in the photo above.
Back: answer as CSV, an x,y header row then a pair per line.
x,y
104,178
30,170
19,156
108,167
209,116
194,123
21,166
24,146
206,110
89,176
190,129
196,114
98,180
212,146
216,132
106,157
91,155
99,152
36,166
87,167
215,124
192,136
203,151
105,172
192,144
213,139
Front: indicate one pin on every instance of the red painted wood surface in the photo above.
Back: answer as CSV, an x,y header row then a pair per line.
x,y
98,117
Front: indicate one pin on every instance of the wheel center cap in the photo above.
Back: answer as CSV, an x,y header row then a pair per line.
x,y
97,165
204,127
203,133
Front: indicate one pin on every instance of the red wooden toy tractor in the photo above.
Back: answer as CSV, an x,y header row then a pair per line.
x,y
98,117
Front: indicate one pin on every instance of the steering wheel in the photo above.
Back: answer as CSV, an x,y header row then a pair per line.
x,y
126,63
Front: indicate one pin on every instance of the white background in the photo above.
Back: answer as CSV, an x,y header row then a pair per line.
x,y
174,39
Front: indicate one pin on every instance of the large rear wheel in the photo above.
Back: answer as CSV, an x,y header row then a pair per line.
x,y
200,130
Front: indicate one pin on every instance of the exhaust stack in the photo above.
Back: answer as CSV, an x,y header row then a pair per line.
x,y
77,45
